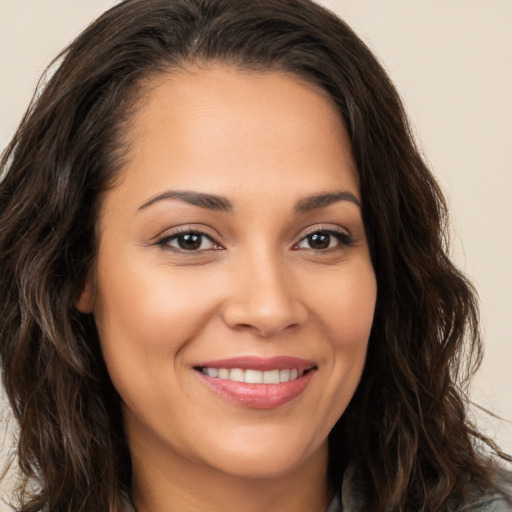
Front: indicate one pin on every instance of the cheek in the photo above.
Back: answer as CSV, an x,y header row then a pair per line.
x,y
347,305
145,315
346,314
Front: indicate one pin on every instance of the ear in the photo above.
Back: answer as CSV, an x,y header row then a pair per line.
x,y
85,296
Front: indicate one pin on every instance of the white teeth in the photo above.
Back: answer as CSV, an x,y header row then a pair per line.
x,y
251,376
237,375
271,377
284,375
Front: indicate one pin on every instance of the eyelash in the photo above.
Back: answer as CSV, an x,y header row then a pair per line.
x,y
343,238
164,242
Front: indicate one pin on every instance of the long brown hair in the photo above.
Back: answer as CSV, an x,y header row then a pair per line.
x,y
406,428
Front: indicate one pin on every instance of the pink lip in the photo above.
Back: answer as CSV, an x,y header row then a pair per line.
x,y
259,396
260,363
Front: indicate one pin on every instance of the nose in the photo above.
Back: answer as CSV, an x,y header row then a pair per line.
x,y
266,299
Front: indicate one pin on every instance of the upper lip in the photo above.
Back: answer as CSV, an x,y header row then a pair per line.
x,y
259,363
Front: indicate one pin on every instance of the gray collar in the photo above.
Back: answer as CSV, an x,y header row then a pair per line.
x,y
353,495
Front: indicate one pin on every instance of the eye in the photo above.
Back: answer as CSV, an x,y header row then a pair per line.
x,y
324,240
191,241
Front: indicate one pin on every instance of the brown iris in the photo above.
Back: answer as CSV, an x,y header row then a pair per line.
x,y
319,240
190,241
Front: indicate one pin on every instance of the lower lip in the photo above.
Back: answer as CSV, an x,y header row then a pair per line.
x,y
259,396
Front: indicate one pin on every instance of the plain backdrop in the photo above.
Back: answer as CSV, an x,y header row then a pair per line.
x,y
451,61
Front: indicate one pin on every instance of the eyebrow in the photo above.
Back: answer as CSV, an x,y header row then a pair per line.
x,y
319,201
222,204
208,201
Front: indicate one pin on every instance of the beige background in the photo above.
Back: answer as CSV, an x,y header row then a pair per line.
x,y
452,63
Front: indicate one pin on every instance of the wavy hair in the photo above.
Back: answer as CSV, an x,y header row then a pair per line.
x,y
406,428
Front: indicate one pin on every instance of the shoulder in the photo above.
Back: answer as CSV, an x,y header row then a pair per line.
x,y
500,500
355,493
495,503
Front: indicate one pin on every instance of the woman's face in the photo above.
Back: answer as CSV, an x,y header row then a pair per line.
x,y
233,249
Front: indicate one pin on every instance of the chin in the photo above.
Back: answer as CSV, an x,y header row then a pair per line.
x,y
262,460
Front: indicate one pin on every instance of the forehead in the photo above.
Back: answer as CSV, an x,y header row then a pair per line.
x,y
206,128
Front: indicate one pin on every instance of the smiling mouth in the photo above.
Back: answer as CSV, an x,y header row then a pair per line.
x,y
256,382
253,376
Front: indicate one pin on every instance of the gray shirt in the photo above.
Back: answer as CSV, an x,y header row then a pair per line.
x,y
353,498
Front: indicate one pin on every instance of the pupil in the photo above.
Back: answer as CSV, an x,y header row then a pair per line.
x,y
190,241
319,240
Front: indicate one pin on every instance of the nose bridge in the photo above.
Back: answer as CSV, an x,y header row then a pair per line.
x,y
265,298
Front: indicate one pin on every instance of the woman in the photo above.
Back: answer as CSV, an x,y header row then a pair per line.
x,y
224,281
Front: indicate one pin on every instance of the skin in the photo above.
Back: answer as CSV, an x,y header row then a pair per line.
x,y
264,141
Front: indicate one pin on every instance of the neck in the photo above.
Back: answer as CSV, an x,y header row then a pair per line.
x,y
168,482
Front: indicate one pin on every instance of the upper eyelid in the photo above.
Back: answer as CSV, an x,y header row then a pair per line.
x,y
345,237
167,238
183,230
325,228
164,242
